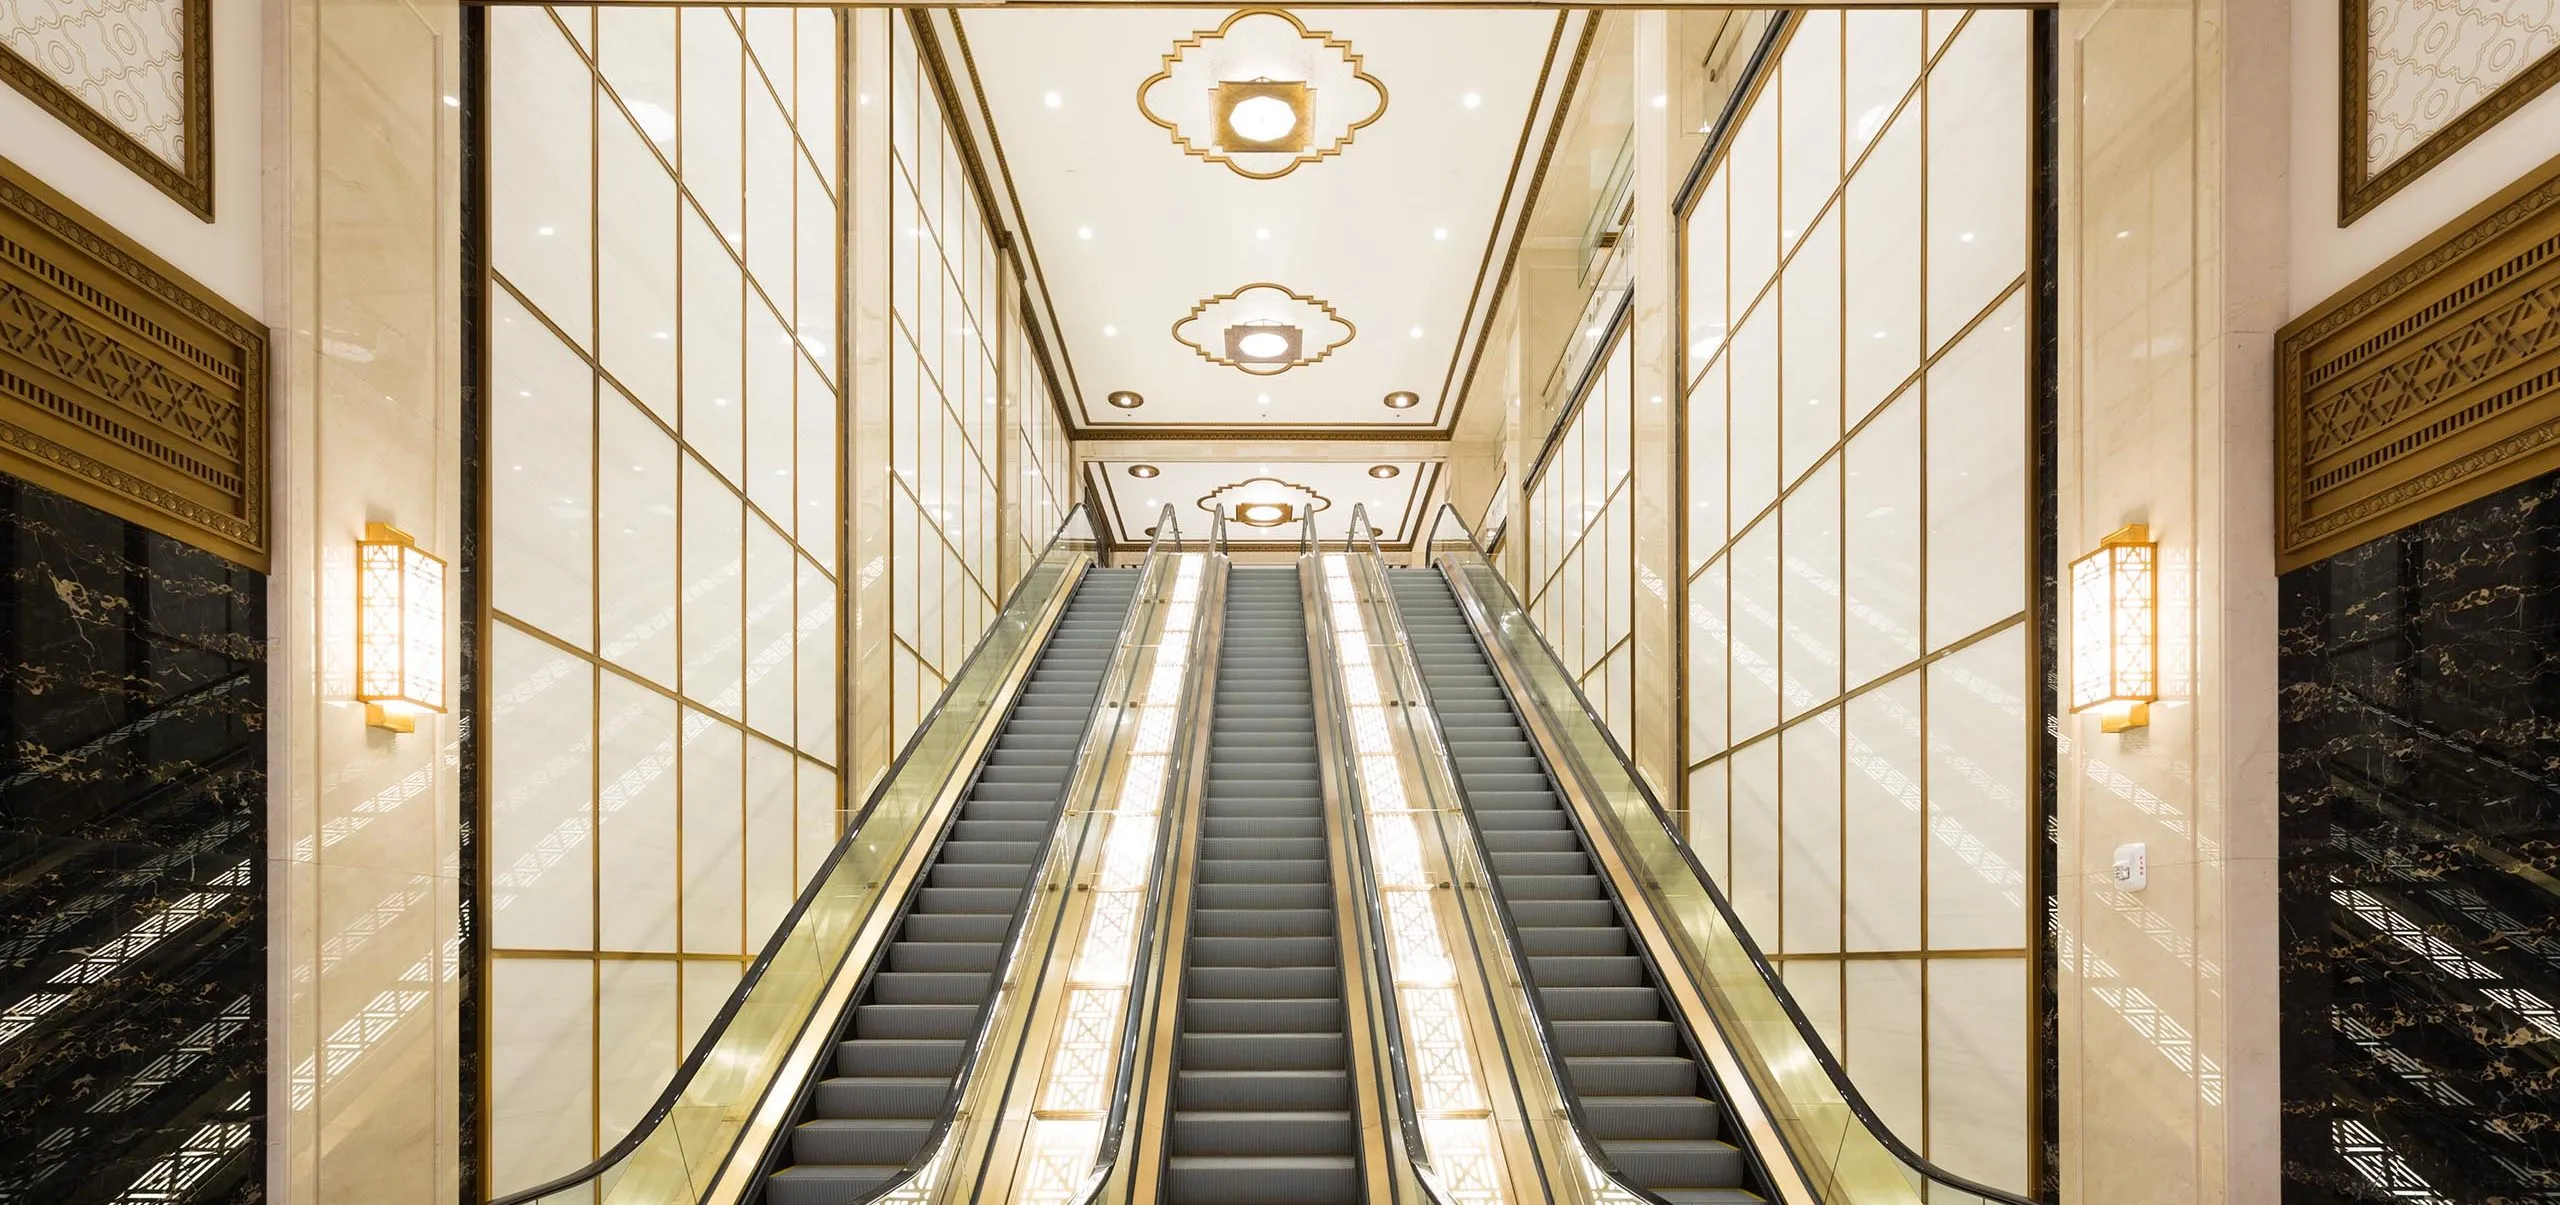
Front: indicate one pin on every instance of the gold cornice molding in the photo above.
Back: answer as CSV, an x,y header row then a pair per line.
x,y
125,385
2431,382
2358,192
189,184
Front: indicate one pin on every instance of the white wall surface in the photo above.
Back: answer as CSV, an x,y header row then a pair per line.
x,y
226,256
2327,259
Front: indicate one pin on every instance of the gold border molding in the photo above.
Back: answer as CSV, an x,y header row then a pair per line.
x,y
123,384
2433,381
190,185
2358,193
1317,503
1349,332
1200,37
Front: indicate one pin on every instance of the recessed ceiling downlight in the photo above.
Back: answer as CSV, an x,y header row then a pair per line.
x,y
1125,399
1263,514
1383,471
1403,399
1143,471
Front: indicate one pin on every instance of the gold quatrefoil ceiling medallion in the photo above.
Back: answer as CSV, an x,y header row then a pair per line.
x,y
1265,501
1263,329
1262,94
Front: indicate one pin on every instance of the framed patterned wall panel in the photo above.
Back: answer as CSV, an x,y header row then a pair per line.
x,y
2433,381
2418,81
133,76
125,385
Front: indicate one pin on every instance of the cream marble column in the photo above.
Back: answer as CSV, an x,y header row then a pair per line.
x,y
1656,319
362,174
866,426
2172,148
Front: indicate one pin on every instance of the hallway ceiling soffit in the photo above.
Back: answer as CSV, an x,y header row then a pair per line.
x,y
1359,257
1133,488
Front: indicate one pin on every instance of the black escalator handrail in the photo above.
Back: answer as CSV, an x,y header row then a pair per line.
x,y
659,1109
1123,671
1159,877
1515,951
1768,973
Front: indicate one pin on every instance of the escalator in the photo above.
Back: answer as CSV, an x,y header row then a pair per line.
x,y
1639,1084
901,1047
1262,1108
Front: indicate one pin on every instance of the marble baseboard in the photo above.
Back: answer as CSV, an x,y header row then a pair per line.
x,y
133,947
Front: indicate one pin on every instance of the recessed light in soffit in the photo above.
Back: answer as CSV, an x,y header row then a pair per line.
x,y
1143,471
1125,399
1383,471
1403,399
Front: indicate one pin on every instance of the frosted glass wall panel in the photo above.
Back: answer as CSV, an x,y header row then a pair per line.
x,y
666,510
1582,543
1859,737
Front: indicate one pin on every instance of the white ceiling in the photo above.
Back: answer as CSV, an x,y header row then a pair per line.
x,y
1132,504
1127,233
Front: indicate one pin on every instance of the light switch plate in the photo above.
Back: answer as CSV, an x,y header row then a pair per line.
x,y
2133,866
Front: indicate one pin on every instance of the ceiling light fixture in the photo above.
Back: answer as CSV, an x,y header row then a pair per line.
x,y
1471,100
1051,99
1110,332
1441,233
1143,471
1264,115
1262,232
1084,232
1264,342
1125,399
1264,514
1403,399
1415,332
1383,471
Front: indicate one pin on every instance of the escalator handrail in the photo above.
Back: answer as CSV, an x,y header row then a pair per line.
x,y
1831,1068
1124,670
1515,950
665,1105
1159,877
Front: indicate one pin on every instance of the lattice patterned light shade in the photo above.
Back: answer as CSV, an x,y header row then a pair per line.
x,y
399,629
2115,629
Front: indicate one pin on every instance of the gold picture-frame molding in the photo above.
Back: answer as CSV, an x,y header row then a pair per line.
x,y
189,184
2431,382
1302,360
123,384
1200,37
2358,192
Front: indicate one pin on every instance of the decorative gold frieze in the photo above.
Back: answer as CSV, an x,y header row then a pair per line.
x,y
2429,383
133,76
125,385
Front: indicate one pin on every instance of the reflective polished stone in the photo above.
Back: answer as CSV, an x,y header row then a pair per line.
x,y
2420,840
133,945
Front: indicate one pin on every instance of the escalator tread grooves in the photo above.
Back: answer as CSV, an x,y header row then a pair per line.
x,y
899,1048
1647,1101
1262,1087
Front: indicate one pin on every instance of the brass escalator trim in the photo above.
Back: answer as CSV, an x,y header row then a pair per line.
x,y
737,1177
1743,1099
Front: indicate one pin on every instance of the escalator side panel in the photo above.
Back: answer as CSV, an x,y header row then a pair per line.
x,y
1645,1097
900,1046
1262,1111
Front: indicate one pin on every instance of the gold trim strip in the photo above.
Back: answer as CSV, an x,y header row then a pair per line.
x,y
125,385
189,183
2359,193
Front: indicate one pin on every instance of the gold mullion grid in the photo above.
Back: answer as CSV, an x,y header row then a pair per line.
x,y
977,455
601,96
1914,101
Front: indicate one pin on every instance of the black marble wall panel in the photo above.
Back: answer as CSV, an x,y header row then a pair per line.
x,y
133,951
2420,861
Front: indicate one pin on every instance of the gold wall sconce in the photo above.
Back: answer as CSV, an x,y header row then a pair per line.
x,y
399,629
2115,629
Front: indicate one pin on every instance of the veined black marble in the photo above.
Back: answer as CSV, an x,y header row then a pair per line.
x,y
2420,861
133,949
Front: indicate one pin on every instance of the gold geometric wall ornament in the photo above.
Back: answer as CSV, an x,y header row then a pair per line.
x,y
1275,57
134,77
1216,321
125,385
2418,82
2431,382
